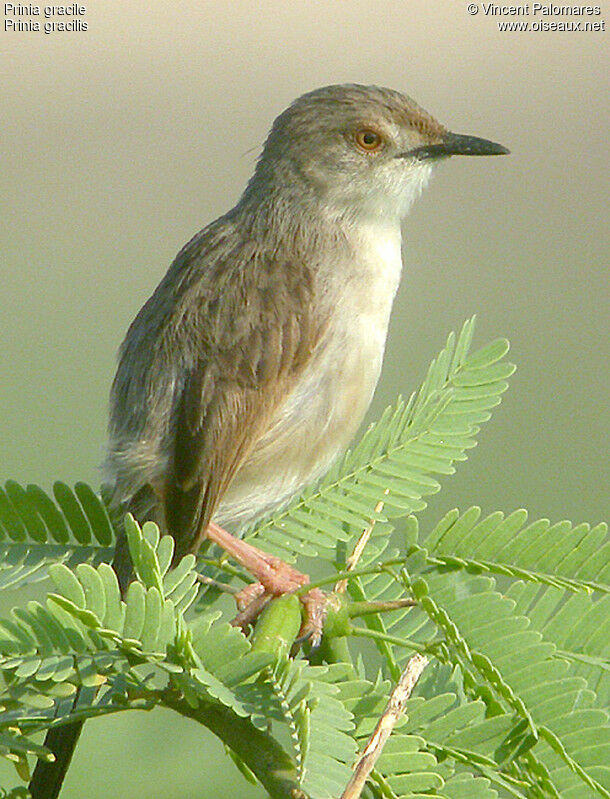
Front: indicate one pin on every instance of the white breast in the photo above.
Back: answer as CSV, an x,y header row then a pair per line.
x,y
320,417
376,282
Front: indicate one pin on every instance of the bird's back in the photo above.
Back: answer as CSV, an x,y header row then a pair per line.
x,y
202,371
247,373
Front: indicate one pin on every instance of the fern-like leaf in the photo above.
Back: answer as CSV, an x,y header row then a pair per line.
x,y
397,456
561,555
519,666
36,531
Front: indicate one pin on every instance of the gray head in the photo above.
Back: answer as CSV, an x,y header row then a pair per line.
x,y
359,149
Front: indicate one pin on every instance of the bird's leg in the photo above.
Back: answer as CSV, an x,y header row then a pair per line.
x,y
274,578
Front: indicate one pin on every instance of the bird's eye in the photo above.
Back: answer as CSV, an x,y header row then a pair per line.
x,y
368,140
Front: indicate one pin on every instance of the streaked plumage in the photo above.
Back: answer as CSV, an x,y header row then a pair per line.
x,y
252,365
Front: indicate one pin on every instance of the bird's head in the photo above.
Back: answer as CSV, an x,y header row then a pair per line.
x,y
360,149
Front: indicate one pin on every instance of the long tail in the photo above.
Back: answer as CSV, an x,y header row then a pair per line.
x,y
48,778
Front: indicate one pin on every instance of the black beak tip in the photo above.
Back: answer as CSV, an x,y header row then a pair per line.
x,y
496,149
458,144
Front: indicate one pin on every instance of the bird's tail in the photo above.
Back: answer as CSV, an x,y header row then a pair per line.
x,y
48,778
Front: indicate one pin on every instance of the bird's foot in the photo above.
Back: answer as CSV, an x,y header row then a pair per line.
x,y
252,599
283,579
274,578
314,602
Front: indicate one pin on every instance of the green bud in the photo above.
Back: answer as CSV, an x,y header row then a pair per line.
x,y
278,626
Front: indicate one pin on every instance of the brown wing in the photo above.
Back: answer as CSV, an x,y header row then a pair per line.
x,y
253,340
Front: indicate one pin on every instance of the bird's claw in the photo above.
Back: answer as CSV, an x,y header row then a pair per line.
x,y
252,599
314,603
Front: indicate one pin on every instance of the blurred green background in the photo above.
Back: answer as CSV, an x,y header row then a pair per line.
x,y
119,143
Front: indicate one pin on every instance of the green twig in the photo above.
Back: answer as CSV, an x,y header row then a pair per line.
x,y
348,574
406,643
260,752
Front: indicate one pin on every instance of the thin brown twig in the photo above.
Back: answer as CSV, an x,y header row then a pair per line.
x,y
384,726
361,543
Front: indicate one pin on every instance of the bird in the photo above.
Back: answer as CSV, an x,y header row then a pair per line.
x,y
249,370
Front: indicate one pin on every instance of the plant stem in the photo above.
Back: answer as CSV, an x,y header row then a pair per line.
x,y
375,622
347,573
352,561
225,566
406,643
262,754
364,607
223,587
384,726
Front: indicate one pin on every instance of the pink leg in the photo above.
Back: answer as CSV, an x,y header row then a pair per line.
x,y
275,577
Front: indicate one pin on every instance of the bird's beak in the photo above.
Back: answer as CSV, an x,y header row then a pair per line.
x,y
456,144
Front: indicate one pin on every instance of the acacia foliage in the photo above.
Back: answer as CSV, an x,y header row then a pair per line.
x,y
514,617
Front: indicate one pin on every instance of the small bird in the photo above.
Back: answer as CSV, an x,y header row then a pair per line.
x,y
250,368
